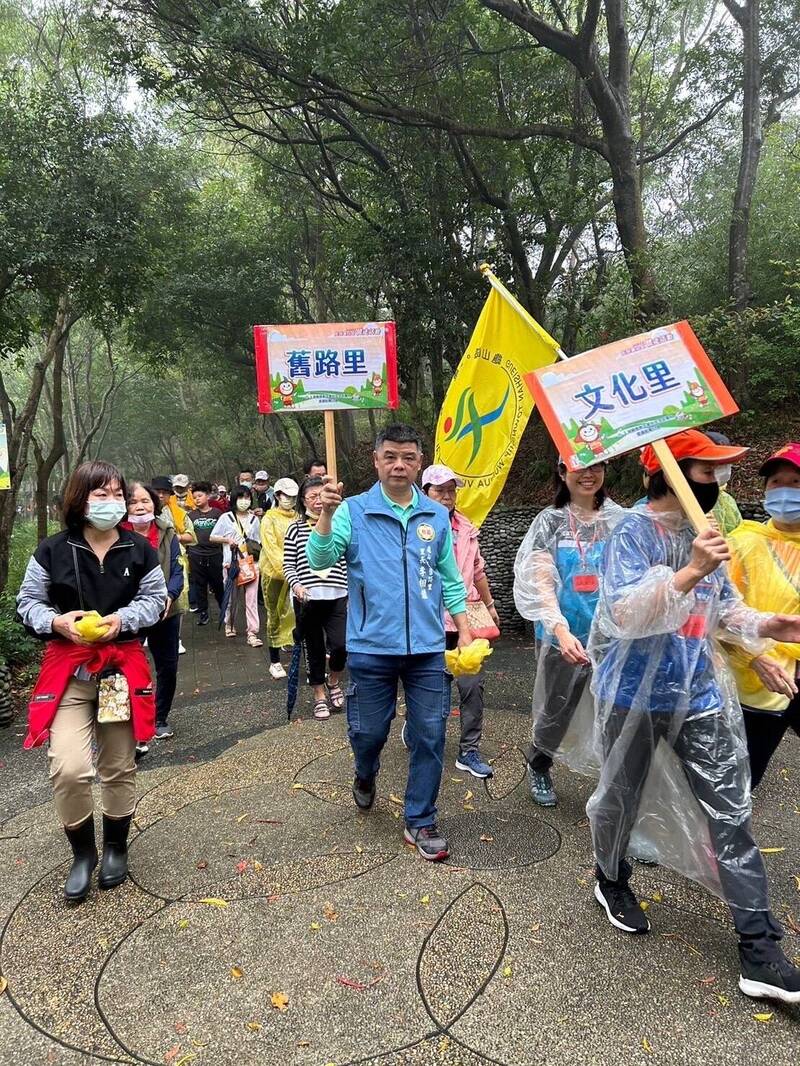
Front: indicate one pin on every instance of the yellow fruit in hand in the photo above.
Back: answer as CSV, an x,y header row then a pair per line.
x,y
89,627
467,660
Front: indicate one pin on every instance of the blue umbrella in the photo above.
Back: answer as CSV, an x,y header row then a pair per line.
x,y
293,677
230,589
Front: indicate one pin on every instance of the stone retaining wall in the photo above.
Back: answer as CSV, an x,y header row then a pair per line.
x,y
501,536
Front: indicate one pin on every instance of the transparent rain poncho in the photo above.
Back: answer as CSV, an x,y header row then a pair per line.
x,y
556,582
667,720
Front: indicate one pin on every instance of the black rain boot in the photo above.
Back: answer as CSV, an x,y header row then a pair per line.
x,y
114,864
79,878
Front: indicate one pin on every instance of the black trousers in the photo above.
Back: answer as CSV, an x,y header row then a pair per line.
x,y
162,641
706,750
205,572
765,731
563,684
323,626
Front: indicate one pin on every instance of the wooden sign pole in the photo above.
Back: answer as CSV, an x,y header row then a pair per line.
x,y
330,447
680,486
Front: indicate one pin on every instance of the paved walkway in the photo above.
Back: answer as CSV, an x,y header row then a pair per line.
x,y
267,921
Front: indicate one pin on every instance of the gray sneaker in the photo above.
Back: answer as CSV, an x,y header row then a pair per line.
x,y
428,841
541,786
164,731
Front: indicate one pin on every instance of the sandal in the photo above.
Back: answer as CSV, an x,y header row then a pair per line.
x,y
336,696
321,709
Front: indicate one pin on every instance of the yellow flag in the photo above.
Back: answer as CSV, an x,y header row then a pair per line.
x,y
489,402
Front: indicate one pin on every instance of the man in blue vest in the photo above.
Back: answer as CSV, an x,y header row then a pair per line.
x,y
402,573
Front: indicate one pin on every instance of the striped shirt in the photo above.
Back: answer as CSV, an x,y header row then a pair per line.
x,y
319,584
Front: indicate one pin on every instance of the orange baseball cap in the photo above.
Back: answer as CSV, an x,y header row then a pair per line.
x,y
692,444
789,453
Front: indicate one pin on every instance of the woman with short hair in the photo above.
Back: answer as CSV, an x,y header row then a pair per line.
x,y
92,565
149,519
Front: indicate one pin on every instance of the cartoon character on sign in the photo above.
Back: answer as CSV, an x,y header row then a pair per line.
x,y
286,392
589,437
377,384
698,393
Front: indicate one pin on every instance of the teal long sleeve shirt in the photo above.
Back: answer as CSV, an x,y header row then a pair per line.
x,y
324,552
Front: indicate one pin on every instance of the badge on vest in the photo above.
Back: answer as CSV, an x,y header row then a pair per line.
x,y
426,532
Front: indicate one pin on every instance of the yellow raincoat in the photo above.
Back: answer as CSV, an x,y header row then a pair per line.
x,y
277,596
765,567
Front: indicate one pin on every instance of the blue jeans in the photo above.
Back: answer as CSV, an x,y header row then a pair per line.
x,y
371,706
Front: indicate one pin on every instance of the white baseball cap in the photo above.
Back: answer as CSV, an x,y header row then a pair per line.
x,y
261,475
180,481
438,474
287,486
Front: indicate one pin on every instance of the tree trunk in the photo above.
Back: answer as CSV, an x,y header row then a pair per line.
x,y
748,16
45,464
19,429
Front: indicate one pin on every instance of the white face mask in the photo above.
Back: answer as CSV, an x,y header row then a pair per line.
x,y
243,504
722,474
105,514
286,503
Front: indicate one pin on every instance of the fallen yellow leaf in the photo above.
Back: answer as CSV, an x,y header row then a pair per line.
x,y
468,807
444,1044
212,901
771,851
507,971
315,925
764,1017
186,1059
279,1000
297,785
395,799
486,839
724,1001
657,897
237,973
241,818
183,923
3,985
258,867
644,904
457,780
797,882
468,795
254,1026
647,1046
359,849
425,899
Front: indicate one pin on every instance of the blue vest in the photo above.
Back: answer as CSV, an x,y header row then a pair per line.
x,y
395,589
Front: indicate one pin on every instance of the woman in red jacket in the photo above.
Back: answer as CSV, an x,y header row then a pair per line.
x,y
92,565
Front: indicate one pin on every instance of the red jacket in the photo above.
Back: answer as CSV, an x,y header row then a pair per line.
x,y
62,658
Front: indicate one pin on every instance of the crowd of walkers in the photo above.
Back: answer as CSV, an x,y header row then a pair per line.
x,y
665,660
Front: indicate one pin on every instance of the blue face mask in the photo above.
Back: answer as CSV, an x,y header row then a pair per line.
x,y
783,504
105,514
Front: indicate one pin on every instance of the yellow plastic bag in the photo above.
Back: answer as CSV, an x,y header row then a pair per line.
x,y
88,626
467,660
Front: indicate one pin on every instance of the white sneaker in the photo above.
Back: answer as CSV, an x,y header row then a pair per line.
x,y
181,649
277,671
253,641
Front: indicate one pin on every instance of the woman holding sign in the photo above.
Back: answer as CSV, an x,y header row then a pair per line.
x,y
556,586
658,677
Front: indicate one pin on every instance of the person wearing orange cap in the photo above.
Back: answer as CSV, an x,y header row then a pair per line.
x,y
664,595
765,567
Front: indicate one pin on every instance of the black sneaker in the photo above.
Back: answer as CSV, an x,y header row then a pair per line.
x,y
772,978
364,792
621,906
203,620
428,841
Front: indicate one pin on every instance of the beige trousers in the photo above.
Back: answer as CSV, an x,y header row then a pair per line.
x,y
70,758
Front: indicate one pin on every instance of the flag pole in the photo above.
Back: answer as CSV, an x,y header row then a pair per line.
x,y
497,284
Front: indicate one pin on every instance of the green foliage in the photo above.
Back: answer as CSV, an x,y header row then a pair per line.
x,y
16,646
